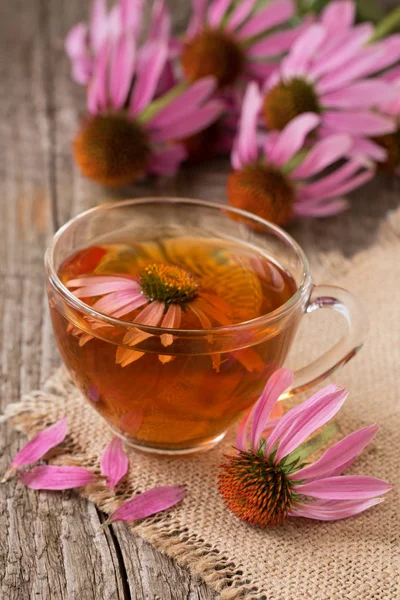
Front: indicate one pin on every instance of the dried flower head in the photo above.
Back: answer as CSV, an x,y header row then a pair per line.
x,y
267,480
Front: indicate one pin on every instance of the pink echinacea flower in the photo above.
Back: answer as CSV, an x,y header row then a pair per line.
x,y
265,482
278,175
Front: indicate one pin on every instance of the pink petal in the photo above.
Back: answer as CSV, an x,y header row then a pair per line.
x,y
390,54
276,43
148,503
217,11
340,510
97,88
148,75
338,15
292,138
168,160
151,315
130,15
246,146
160,23
121,70
242,432
330,183
359,122
268,17
47,477
259,70
363,94
38,446
115,302
326,192
172,320
358,67
308,420
240,14
324,153
76,41
321,209
98,24
341,55
198,18
99,285
82,70
344,487
202,118
339,454
280,381
186,103
114,462
303,51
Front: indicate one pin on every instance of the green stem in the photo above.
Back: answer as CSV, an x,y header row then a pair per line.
x,y
387,25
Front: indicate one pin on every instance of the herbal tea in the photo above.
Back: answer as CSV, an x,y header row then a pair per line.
x,y
165,389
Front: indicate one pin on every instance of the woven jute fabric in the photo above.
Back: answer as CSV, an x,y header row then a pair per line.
x,y
356,558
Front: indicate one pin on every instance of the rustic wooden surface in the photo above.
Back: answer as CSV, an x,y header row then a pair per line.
x,y
50,544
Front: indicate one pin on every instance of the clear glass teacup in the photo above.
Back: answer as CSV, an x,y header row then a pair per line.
x,y
180,386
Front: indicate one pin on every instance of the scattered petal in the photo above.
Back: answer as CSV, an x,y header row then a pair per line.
x,y
148,503
47,477
114,462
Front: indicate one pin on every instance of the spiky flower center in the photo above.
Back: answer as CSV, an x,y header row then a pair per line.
x,y
112,149
288,100
263,191
391,143
168,284
256,490
213,52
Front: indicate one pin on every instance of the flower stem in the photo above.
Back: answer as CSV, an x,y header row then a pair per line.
x,y
387,25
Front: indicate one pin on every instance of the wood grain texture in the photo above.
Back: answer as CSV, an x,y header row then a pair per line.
x,y
51,546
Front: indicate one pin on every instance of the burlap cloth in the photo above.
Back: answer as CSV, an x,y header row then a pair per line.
x,y
351,559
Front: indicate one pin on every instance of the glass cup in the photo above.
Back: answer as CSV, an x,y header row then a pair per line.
x,y
182,398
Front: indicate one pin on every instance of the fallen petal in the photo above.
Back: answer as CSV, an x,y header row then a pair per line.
x,y
38,446
47,477
148,503
114,462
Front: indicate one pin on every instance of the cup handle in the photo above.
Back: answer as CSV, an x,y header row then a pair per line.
x,y
343,302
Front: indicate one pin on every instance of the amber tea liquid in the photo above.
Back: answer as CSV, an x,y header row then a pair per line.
x,y
189,399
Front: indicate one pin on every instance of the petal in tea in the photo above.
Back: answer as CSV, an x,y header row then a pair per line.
x,y
148,503
114,462
47,477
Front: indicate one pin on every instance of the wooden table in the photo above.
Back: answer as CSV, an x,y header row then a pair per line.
x,y
50,544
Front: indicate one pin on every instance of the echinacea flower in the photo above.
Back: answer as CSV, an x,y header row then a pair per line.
x,y
234,41
328,72
162,293
278,176
131,129
264,483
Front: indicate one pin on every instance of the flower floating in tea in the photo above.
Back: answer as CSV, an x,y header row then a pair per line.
x,y
328,72
278,176
133,128
268,480
164,291
231,41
